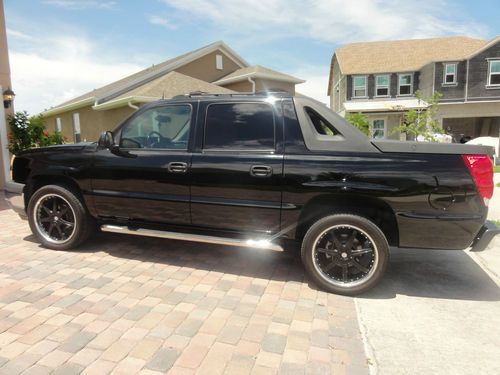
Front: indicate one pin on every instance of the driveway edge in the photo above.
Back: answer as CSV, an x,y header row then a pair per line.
x,y
369,352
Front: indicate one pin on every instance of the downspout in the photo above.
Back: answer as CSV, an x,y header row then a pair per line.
x,y
133,106
253,83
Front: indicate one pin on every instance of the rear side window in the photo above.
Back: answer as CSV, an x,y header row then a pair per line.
x,y
320,124
239,126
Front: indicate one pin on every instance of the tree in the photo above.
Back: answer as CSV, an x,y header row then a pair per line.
x,y
28,132
360,121
422,121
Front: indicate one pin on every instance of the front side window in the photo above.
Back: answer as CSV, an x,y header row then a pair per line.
x,y
405,84
164,127
378,129
359,86
494,72
382,85
239,126
450,73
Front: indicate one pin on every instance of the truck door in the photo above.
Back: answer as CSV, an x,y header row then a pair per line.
x,y
237,166
147,177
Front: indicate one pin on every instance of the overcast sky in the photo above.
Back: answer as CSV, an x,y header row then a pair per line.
x,y
62,48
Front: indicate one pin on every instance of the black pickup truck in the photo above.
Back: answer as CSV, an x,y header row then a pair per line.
x,y
262,170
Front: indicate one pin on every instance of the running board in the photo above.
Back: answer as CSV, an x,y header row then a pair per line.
x,y
259,244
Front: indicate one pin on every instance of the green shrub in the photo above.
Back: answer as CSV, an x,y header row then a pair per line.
x,y
359,121
28,132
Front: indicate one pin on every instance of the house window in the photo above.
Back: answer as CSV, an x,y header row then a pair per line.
x,y
359,87
450,74
218,62
76,127
494,72
382,85
378,129
58,124
405,84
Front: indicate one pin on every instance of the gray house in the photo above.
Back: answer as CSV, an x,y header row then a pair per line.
x,y
379,79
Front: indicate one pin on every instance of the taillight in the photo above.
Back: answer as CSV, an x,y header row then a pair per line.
x,y
481,169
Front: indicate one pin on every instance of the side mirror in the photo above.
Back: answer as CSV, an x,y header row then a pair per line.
x,y
106,140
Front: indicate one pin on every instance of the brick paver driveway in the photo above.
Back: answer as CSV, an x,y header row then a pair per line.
x,y
127,305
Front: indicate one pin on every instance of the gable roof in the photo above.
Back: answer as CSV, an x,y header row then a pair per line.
x,y
403,55
120,87
484,48
166,86
256,71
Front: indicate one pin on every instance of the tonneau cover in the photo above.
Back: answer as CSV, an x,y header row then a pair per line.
x,y
433,148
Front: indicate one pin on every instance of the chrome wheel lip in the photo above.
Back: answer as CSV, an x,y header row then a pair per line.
x,y
39,227
338,283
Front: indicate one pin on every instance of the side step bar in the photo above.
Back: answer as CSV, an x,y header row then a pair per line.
x,y
259,244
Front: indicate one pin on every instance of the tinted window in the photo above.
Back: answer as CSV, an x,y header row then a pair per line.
x,y
160,127
239,126
320,124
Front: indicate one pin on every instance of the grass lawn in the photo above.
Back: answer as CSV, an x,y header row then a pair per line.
x,y
496,168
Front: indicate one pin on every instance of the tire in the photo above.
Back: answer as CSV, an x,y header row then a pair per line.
x,y
345,254
58,217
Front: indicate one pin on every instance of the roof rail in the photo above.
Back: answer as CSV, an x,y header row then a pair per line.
x,y
192,94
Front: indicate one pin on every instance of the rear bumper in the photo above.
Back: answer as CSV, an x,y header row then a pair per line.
x,y
485,235
14,194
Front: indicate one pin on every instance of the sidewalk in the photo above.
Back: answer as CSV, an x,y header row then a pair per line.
x,y
437,312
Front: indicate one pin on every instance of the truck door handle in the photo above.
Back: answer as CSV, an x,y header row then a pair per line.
x,y
177,167
261,171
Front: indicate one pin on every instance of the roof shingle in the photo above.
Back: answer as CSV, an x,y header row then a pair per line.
x,y
172,84
403,55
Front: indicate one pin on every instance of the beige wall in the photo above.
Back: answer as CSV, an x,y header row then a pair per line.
x,y
261,84
92,122
243,86
266,84
204,68
4,83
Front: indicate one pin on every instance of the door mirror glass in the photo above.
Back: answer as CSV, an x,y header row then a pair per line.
x,y
106,139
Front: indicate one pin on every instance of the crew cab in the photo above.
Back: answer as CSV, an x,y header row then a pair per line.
x,y
264,170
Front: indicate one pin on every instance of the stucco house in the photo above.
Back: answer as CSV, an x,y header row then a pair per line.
x,y
379,79
7,108
215,68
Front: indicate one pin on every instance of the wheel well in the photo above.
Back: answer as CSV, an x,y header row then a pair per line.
x,y
39,181
371,208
